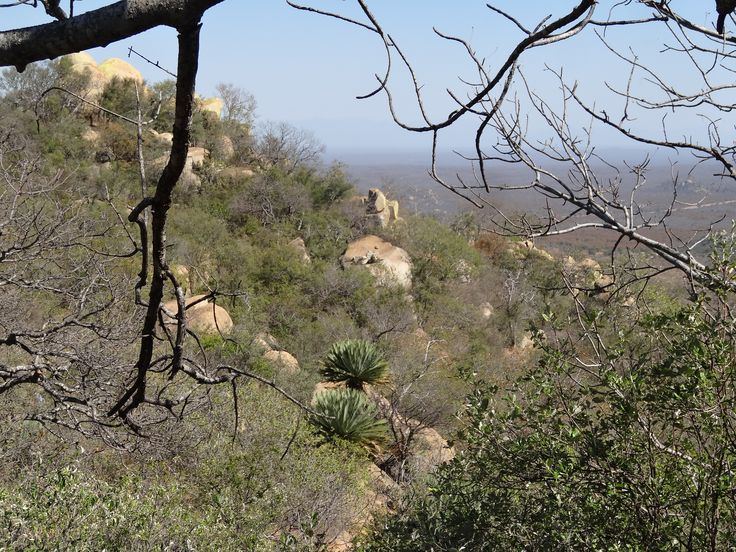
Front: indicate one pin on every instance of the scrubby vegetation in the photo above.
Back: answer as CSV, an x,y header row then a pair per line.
x,y
578,417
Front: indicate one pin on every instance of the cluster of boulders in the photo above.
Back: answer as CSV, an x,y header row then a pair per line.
x,y
587,275
100,75
195,159
379,211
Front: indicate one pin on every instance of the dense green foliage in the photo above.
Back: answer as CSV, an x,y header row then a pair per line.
x,y
615,433
631,449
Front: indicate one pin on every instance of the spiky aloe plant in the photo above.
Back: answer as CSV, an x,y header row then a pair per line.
x,y
356,362
349,414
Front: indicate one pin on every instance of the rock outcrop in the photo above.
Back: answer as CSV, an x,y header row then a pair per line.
x,y
525,248
587,275
204,317
195,157
284,362
379,211
390,265
102,74
300,248
211,105
115,68
266,346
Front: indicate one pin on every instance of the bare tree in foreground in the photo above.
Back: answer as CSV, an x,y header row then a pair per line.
x,y
99,392
562,170
647,106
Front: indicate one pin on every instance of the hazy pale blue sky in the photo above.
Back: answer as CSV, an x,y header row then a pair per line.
x,y
307,69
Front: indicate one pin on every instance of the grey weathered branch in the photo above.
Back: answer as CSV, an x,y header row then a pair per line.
x,y
19,47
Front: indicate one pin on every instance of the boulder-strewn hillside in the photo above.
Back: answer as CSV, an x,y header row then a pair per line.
x,y
286,274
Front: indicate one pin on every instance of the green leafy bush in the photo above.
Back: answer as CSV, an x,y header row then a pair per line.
x,y
627,448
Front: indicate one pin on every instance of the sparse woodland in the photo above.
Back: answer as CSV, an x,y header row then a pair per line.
x,y
209,340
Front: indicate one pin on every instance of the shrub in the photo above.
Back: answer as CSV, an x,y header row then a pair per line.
x,y
355,362
349,414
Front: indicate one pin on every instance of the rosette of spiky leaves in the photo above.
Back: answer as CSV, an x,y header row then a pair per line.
x,y
349,414
356,362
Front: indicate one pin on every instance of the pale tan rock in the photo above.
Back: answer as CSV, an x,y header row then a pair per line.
x,y
264,342
225,146
195,157
117,68
392,206
91,135
203,317
429,449
164,137
390,265
486,310
96,81
212,105
300,248
524,248
80,58
283,361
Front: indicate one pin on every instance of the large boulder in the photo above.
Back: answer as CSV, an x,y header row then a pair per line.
x,y
195,157
390,265
204,317
284,362
115,68
84,64
428,450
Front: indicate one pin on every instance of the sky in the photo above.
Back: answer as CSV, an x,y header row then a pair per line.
x,y
308,69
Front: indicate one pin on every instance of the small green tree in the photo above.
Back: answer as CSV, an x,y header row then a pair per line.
x,y
355,362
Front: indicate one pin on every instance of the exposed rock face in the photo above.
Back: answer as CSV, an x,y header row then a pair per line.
x,y
380,211
225,146
429,450
212,105
390,265
300,247
195,158
587,274
283,361
84,64
524,248
205,317
117,68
